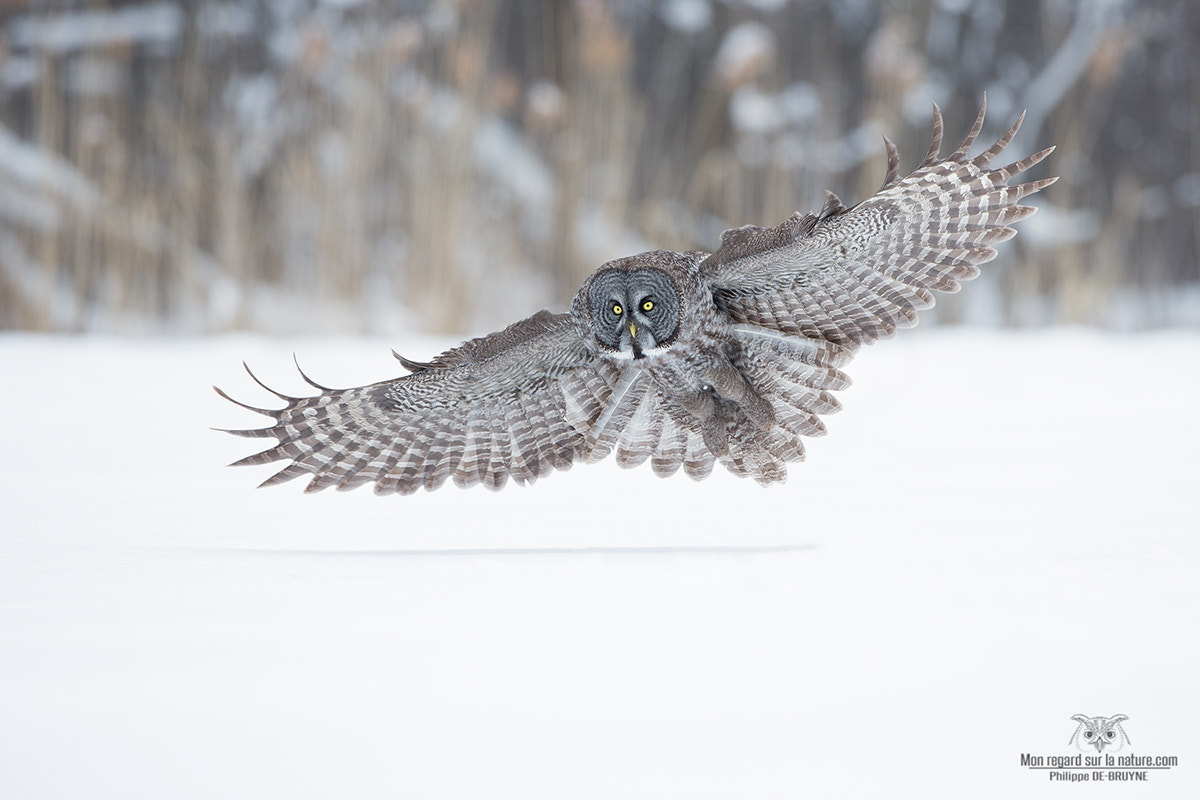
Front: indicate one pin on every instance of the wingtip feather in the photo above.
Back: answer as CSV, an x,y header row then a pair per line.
x,y
264,411
972,134
284,475
893,163
307,379
987,155
280,395
935,142
250,433
410,365
268,456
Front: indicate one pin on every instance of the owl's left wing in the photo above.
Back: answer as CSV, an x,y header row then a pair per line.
x,y
853,276
514,404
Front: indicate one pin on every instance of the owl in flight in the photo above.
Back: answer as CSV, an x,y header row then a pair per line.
x,y
684,359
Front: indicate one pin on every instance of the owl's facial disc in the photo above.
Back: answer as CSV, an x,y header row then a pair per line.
x,y
634,312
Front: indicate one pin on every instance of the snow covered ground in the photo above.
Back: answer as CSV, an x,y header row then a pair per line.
x,y
1001,531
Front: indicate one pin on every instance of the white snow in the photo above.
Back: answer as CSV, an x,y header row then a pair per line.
x,y
153,22
95,76
801,103
545,102
755,112
32,167
999,532
687,16
743,51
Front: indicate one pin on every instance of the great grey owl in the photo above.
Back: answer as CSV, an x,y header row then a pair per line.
x,y
684,359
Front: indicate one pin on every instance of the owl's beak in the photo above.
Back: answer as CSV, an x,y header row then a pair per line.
x,y
633,330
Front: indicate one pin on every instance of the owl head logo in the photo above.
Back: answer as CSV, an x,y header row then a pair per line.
x,y
1102,733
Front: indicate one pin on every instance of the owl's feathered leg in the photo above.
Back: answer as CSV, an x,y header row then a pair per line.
x,y
728,382
704,406
724,387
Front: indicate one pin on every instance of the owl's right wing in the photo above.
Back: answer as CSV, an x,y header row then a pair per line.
x,y
851,276
516,403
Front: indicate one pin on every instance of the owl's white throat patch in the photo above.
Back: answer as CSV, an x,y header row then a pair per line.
x,y
634,353
656,351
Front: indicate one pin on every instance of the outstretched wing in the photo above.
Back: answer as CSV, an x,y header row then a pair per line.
x,y
512,404
853,276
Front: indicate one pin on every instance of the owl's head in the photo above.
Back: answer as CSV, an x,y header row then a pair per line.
x,y
1100,732
634,305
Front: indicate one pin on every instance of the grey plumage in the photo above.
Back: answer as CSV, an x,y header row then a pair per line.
x,y
680,359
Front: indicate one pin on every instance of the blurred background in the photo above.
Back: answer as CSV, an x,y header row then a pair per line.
x,y
453,165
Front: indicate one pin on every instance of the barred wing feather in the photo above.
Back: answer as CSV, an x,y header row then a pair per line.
x,y
495,408
854,276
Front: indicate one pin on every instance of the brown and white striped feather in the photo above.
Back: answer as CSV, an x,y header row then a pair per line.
x,y
853,276
479,414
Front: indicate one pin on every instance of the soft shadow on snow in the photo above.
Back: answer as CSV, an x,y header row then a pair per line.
x,y
472,552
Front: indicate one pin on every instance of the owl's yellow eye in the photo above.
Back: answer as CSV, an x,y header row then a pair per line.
x,y
648,305
617,309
